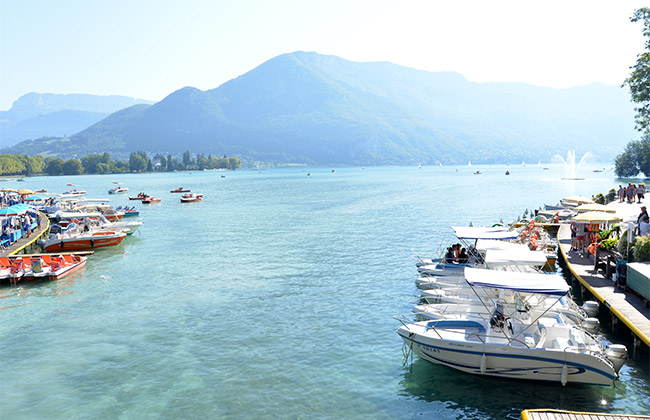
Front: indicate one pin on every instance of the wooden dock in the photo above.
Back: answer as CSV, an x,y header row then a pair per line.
x,y
548,414
26,244
625,306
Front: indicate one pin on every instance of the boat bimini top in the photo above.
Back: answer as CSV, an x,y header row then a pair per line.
x,y
548,284
474,233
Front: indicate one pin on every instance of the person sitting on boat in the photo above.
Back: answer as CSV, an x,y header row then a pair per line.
x,y
463,258
449,256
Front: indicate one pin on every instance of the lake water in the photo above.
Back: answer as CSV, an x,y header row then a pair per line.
x,y
273,298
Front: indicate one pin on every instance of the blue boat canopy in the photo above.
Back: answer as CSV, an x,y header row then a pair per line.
x,y
465,232
548,284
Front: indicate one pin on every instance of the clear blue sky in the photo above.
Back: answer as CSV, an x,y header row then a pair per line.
x,y
150,48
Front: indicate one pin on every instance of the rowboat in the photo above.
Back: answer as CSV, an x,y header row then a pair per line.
x,y
180,190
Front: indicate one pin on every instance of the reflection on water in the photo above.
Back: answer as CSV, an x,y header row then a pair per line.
x,y
42,288
488,397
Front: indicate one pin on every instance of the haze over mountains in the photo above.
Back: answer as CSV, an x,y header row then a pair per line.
x,y
316,109
36,115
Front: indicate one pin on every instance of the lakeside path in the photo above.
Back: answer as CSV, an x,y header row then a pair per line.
x,y
626,306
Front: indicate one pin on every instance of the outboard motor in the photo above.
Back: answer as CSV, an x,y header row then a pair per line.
x,y
591,325
617,354
591,308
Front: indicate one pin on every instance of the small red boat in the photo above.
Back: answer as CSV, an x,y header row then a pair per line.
x,y
190,198
45,267
150,200
179,190
139,197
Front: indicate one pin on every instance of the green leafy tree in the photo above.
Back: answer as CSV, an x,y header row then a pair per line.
x,y
54,166
234,163
72,167
103,168
137,163
163,163
187,159
639,80
634,159
11,165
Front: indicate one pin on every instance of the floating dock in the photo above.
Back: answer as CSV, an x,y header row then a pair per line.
x,y
548,414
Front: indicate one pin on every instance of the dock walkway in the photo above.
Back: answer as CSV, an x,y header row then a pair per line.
x,y
24,243
544,414
626,306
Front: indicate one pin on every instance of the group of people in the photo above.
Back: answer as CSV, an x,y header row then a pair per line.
x,y
578,235
456,254
631,193
23,222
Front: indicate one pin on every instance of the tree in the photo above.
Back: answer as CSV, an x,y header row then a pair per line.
x,y
103,168
72,167
54,166
634,159
187,159
163,163
234,163
639,80
137,163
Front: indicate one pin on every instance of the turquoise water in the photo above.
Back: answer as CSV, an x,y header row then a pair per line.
x,y
273,298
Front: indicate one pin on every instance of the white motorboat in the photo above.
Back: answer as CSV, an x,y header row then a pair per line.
x,y
539,349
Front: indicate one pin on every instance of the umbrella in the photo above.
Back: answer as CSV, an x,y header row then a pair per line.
x,y
8,190
597,217
595,207
25,191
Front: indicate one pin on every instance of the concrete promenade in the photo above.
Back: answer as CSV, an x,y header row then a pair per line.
x,y
626,306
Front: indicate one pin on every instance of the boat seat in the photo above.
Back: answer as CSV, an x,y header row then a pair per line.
x,y
4,262
68,258
562,343
529,340
47,259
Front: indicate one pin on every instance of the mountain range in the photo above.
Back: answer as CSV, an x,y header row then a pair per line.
x,y
319,109
36,115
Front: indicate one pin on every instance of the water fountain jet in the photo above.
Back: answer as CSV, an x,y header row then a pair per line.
x,y
570,164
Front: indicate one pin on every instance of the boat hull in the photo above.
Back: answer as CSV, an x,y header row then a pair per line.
x,y
79,244
510,361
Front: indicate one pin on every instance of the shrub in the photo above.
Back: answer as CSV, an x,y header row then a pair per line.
x,y
627,251
642,248
611,195
599,198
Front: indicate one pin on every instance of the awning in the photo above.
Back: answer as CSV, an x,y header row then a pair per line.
x,y
523,256
492,244
465,232
548,284
594,207
578,199
597,217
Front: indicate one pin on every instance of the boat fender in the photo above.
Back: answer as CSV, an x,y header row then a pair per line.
x,y
92,242
61,244
483,363
565,375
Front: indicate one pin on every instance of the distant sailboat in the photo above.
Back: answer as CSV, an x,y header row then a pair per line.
x,y
419,166
440,164
469,163
523,163
539,163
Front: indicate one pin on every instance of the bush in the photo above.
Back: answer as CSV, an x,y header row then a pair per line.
x,y
627,251
611,195
642,248
599,198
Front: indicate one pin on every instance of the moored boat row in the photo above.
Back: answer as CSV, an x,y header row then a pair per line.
x,y
492,311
